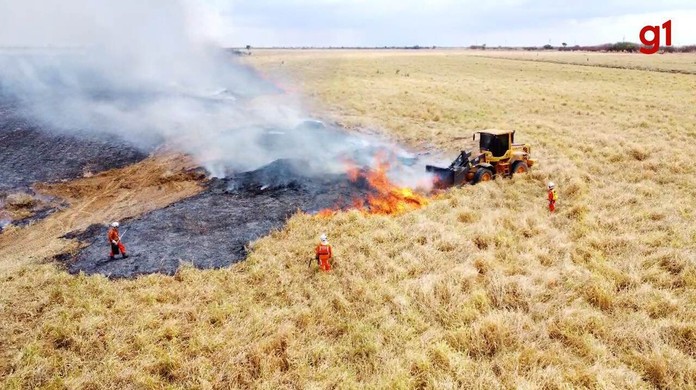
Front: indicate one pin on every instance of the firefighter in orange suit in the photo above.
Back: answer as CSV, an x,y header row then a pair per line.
x,y
553,197
115,241
324,253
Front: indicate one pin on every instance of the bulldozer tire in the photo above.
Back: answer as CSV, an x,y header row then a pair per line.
x,y
483,174
519,167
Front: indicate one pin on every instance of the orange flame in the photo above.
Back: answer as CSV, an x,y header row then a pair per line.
x,y
326,213
388,198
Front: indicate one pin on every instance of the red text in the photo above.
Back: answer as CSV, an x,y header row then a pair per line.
x,y
651,46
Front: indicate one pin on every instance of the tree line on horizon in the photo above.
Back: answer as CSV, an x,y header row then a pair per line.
x,y
629,47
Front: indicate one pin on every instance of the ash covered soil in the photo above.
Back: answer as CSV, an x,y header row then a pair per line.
x,y
214,228
30,152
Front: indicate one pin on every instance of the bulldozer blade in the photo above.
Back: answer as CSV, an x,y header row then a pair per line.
x,y
444,177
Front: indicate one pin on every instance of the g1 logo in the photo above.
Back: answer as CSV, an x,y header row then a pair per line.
x,y
653,45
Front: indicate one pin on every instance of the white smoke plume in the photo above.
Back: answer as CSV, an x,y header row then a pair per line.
x,y
144,72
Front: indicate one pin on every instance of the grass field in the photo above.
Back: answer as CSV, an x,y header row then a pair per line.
x,y
480,289
675,62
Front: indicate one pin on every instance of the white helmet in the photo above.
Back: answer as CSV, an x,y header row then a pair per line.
x,y
114,224
551,185
323,238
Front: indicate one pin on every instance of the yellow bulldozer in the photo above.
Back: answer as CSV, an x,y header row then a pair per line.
x,y
498,155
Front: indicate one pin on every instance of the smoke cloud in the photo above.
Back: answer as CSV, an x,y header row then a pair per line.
x,y
146,73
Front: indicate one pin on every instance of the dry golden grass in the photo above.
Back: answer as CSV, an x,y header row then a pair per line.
x,y
674,62
17,205
480,289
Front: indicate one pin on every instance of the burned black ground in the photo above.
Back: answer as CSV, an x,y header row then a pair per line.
x,y
31,152
213,229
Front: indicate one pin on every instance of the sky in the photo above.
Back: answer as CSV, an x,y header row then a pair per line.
x,y
368,22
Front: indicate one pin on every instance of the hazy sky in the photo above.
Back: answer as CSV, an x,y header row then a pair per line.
x,y
367,22
449,22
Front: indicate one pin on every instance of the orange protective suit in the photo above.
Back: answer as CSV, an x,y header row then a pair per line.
x,y
117,248
324,253
552,200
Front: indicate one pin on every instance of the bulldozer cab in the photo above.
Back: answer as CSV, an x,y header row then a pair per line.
x,y
497,142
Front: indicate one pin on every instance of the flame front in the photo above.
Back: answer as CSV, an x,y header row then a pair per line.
x,y
388,198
